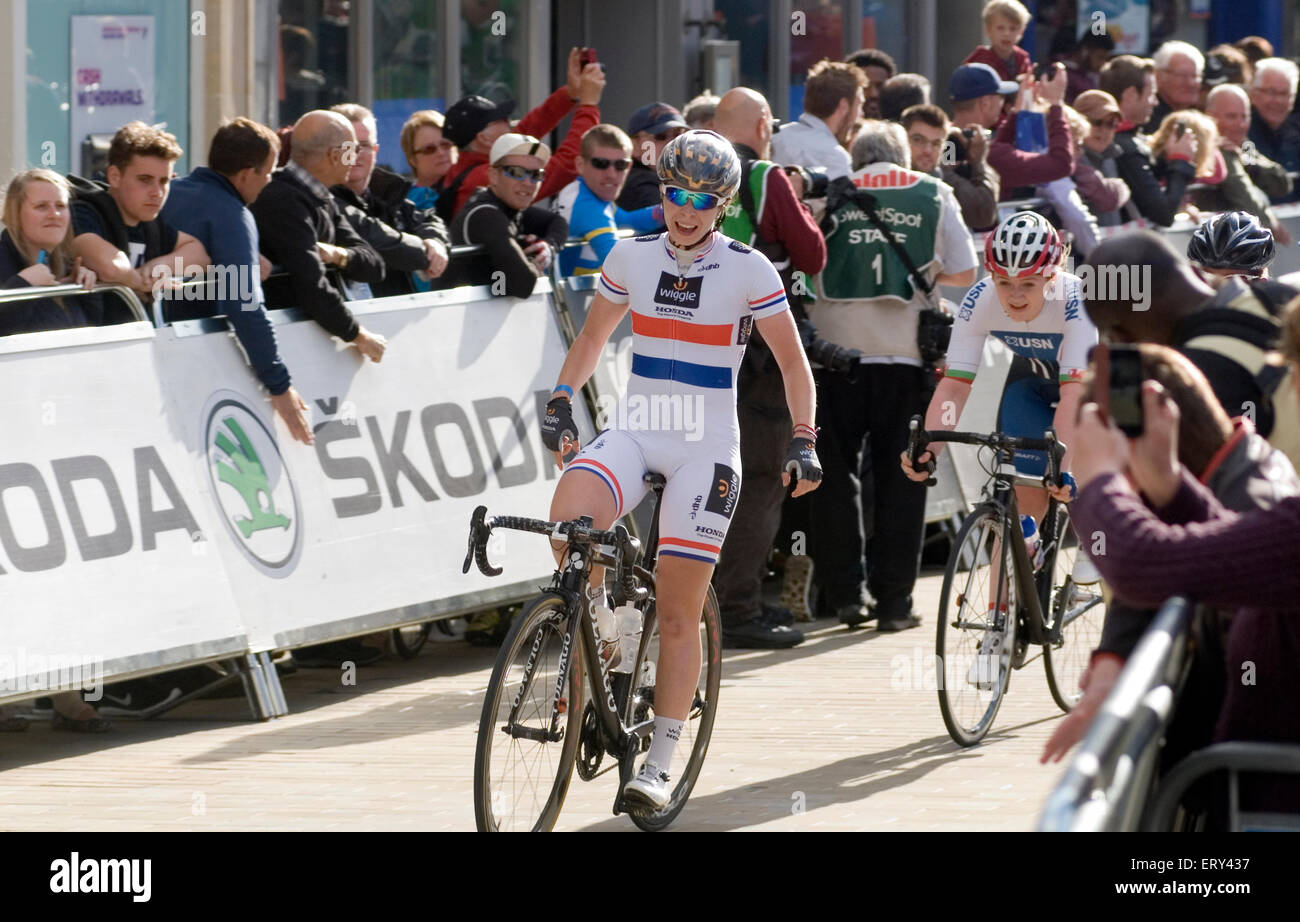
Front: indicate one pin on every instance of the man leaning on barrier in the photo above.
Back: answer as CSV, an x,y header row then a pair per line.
x,y
373,199
519,239
302,230
211,204
120,235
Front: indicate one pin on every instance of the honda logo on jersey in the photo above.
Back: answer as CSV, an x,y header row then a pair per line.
x,y
678,291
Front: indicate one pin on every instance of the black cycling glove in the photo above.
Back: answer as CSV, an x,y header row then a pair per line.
x,y
801,461
557,423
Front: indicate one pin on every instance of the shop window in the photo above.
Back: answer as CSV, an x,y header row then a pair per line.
x,y
407,77
491,48
313,56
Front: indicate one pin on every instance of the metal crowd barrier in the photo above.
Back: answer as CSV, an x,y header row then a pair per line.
x,y
38,293
1236,758
1106,786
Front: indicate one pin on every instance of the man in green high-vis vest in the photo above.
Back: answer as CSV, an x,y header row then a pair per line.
x,y
869,300
768,216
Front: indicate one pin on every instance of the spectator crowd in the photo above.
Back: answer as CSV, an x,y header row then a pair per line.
x,y
1092,139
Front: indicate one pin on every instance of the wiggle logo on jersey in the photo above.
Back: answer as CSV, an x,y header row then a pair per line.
x,y
678,291
725,491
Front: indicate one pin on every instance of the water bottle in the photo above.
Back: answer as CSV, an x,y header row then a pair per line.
x,y
606,634
1033,540
629,635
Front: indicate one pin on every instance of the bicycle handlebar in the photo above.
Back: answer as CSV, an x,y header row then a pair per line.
x,y
578,531
919,439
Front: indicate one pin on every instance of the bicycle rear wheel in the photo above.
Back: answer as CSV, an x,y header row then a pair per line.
x,y
698,726
521,775
1082,610
980,570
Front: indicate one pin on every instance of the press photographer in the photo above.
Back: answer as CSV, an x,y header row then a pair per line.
x,y
787,235
892,235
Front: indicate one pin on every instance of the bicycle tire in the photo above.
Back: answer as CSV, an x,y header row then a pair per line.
x,y
410,649
1065,661
698,727
543,625
968,722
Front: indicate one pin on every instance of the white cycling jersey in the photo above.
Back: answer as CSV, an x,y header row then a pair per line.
x,y
689,330
1056,342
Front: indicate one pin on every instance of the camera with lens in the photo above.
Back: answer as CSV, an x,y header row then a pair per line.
x,y
815,181
840,359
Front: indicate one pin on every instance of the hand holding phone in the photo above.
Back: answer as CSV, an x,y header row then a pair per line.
x,y
1124,389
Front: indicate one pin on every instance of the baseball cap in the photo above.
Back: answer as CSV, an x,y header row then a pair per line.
x,y
654,118
971,81
470,115
1096,104
512,143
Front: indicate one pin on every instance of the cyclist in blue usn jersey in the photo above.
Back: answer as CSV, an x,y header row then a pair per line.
x,y
695,297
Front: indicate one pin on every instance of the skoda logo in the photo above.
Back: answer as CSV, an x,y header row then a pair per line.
x,y
251,484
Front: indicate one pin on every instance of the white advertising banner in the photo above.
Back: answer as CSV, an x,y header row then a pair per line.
x,y
154,511
112,74
105,535
344,536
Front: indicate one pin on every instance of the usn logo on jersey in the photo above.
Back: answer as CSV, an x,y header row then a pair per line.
x,y
676,291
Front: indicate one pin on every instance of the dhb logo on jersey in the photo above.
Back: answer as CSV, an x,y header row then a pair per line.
x,y
678,291
724,492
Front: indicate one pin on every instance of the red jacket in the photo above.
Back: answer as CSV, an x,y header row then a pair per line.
x,y
1020,168
560,169
788,221
985,55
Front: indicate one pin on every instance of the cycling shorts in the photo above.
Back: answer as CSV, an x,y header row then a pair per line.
x,y
703,485
1028,409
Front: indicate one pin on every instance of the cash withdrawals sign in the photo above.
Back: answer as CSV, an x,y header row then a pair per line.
x,y
112,74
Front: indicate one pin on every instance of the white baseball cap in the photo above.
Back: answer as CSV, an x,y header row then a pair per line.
x,y
521,144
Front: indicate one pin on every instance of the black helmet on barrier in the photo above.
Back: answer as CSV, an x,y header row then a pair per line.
x,y
1234,240
700,161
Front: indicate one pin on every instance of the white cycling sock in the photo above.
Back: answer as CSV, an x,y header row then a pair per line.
x,y
664,742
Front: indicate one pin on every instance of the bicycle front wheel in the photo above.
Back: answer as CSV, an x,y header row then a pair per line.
x,y
698,726
1079,609
522,766
976,625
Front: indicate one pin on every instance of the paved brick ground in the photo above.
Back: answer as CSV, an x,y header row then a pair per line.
x,y
809,738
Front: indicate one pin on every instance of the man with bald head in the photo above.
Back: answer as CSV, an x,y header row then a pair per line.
x,y
1252,178
768,216
302,230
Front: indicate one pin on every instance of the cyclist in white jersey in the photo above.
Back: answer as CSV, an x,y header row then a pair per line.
x,y
1036,310
695,297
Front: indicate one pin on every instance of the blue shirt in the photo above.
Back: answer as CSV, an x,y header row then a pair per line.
x,y
595,222
206,206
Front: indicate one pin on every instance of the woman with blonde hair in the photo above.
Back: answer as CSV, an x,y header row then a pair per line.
x,y
36,249
1211,169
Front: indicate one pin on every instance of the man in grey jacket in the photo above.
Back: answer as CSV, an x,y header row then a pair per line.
x,y
959,160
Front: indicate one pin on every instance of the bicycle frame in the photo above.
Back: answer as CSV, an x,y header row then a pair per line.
x,y
1033,589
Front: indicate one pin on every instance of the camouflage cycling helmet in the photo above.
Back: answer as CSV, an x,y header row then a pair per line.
x,y
700,161
1235,241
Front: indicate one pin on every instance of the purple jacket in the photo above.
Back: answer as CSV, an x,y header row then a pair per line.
x,y
1195,547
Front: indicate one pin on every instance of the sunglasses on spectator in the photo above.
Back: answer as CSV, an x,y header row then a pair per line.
x,y
702,201
434,148
604,163
669,134
522,172
1103,122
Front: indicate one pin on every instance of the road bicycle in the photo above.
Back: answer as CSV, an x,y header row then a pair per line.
x,y
991,589
537,725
